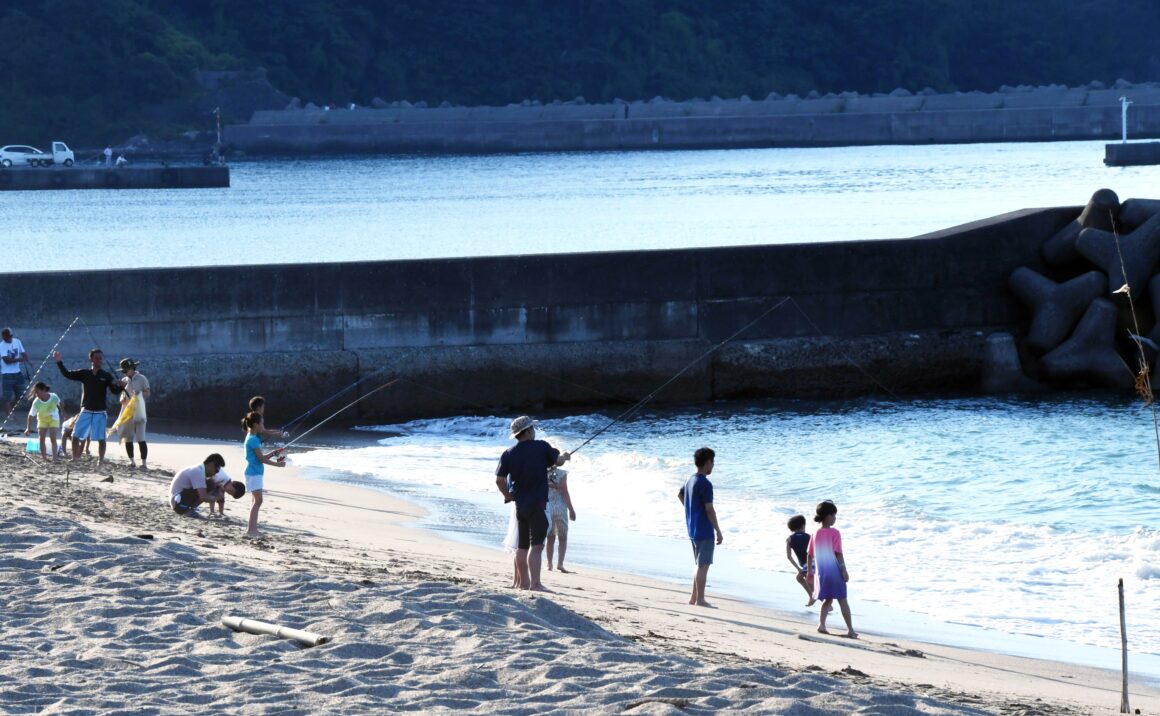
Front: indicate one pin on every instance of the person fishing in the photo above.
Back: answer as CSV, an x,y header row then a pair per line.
x,y
522,476
92,421
256,460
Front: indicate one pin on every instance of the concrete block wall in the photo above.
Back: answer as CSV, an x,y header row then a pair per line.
x,y
513,333
1015,114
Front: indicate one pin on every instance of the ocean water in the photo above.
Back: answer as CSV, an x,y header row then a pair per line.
x,y
407,207
995,523
989,522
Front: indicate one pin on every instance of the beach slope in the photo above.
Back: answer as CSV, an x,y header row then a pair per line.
x,y
113,604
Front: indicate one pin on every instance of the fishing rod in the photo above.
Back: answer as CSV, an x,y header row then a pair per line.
x,y
32,378
96,345
333,415
323,402
641,403
1143,379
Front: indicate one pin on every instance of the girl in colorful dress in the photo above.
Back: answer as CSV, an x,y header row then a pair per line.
x,y
827,563
256,461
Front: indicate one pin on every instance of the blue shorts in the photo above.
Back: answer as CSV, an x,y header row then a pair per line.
x,y
13,384
90,424
703,551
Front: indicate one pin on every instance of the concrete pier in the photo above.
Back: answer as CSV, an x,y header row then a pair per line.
x,y
1136,153
129,177
522,333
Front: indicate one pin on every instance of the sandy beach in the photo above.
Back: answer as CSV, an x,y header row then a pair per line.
x,y
113,604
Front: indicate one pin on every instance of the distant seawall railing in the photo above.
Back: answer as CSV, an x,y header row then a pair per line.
x,y
519,333
1015,114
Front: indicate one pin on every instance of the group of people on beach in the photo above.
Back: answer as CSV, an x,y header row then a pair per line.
x,y
528,472
90,423
207,483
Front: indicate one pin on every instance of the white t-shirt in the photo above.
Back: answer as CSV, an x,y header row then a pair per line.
x,y
13,349
192,476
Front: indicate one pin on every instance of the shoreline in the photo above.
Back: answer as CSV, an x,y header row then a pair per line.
x,y
359,532
745,584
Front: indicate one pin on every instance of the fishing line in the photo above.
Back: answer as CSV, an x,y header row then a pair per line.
x,y
318,405
641,403
33,377
96,344
327,419
590,389
445,394
1143,379
845,354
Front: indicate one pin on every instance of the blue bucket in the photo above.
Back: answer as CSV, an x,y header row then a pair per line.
x,y
33,445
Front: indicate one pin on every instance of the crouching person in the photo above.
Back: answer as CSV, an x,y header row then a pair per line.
x,y
192,486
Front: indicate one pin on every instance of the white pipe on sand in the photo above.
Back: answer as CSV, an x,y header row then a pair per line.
x,y
253,626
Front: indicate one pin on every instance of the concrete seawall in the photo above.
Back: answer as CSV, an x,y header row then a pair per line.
x,y
519,333
132,177
1034,114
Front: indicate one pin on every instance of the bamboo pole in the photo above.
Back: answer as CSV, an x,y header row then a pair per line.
x,y
1124,708
252,626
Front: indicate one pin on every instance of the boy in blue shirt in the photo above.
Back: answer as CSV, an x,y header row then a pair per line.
x,y
701,519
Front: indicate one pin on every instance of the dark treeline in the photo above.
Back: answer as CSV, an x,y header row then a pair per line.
x,y
97,71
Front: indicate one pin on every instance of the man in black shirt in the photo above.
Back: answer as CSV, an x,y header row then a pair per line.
x,y
92,420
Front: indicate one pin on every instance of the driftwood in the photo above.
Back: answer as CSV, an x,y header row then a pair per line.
x,y
252,626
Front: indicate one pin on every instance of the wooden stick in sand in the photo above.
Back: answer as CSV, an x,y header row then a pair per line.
x,y
252,626
1124,708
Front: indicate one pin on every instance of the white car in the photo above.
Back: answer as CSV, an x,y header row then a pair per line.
x,y
24,154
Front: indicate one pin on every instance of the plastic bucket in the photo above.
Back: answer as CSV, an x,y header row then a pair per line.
x,y
33,445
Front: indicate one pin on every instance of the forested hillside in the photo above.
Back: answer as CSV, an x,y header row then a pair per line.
x,y
100,70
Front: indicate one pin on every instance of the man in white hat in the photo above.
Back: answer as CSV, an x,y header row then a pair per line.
x,y
522,476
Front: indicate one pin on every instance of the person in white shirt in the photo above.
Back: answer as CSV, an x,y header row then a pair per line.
x,y
12,361
189,486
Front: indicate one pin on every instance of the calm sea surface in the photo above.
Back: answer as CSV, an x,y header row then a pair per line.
x,y
405,207
991,522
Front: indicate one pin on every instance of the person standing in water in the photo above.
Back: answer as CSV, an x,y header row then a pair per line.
x,y
256,462
701,519
828,563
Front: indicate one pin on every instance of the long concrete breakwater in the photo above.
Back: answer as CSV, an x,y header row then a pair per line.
x,y
135,177
1015,114
523,333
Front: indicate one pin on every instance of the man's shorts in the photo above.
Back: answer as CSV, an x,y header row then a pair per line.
x,y
91,425
703,551
12,386
133,430
186,501
531,526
